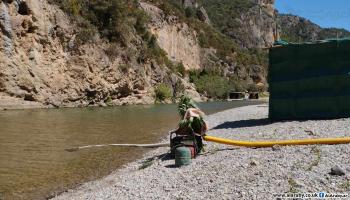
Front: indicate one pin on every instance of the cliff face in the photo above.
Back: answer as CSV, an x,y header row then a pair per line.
x,y
45,62
41,61
258,27
177,39
191,40
250,23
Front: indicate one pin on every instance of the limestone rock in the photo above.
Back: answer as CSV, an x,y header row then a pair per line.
x,y
176,39
252,26
42,62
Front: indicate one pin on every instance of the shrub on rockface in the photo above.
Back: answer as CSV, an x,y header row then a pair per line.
x,y
190,12
178,68
162,92
213,85
237,85
113,19
225,13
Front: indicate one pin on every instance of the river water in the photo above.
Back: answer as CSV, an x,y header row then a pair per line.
x,y
33,160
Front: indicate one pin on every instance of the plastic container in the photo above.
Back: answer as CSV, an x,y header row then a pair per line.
x,y
182,156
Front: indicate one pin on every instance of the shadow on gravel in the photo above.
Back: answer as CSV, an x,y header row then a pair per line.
x,y
171,166
228,149
162,157
149,161
244,123
206,154
165,157
214,151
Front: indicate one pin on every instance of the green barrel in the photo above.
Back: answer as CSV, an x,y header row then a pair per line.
x,y
182,156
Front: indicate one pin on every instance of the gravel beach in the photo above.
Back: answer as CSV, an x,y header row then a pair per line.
x,y
227,172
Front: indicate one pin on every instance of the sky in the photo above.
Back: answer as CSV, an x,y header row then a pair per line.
x,y
326,13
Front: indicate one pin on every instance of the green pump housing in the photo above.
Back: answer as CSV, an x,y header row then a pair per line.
x,y
310,80
182,156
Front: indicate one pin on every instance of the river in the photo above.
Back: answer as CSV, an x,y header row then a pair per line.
x,y
33,160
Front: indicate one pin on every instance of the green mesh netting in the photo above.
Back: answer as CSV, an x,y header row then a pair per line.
x,y
310,80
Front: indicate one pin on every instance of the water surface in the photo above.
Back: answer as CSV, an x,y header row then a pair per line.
x,y
34,164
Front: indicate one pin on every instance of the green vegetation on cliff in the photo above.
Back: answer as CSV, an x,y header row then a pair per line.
x,y
122,22
212,80
214,86
225,13
113,19
297,29
162,92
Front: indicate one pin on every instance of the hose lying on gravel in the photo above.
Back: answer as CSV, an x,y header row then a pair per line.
x,y
255,144
166,144
260,144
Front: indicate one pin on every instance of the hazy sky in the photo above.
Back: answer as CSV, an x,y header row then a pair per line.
x,y
326,13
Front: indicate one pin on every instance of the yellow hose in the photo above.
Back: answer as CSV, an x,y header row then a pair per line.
x,y
256,144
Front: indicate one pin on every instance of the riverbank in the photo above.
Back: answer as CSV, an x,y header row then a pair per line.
x,y
13,103
227,172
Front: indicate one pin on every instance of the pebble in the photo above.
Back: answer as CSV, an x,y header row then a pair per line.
x,y
299,184
276,147
337,171
254,163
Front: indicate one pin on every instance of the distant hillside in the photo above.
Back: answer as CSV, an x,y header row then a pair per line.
x,y
250,23
297,29
255,23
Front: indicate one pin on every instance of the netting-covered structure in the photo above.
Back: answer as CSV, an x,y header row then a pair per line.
x,y
310,80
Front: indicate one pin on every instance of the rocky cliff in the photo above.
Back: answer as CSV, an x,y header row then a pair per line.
x,y
55,53
298,29
250,23
42,61
177,39
183,29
